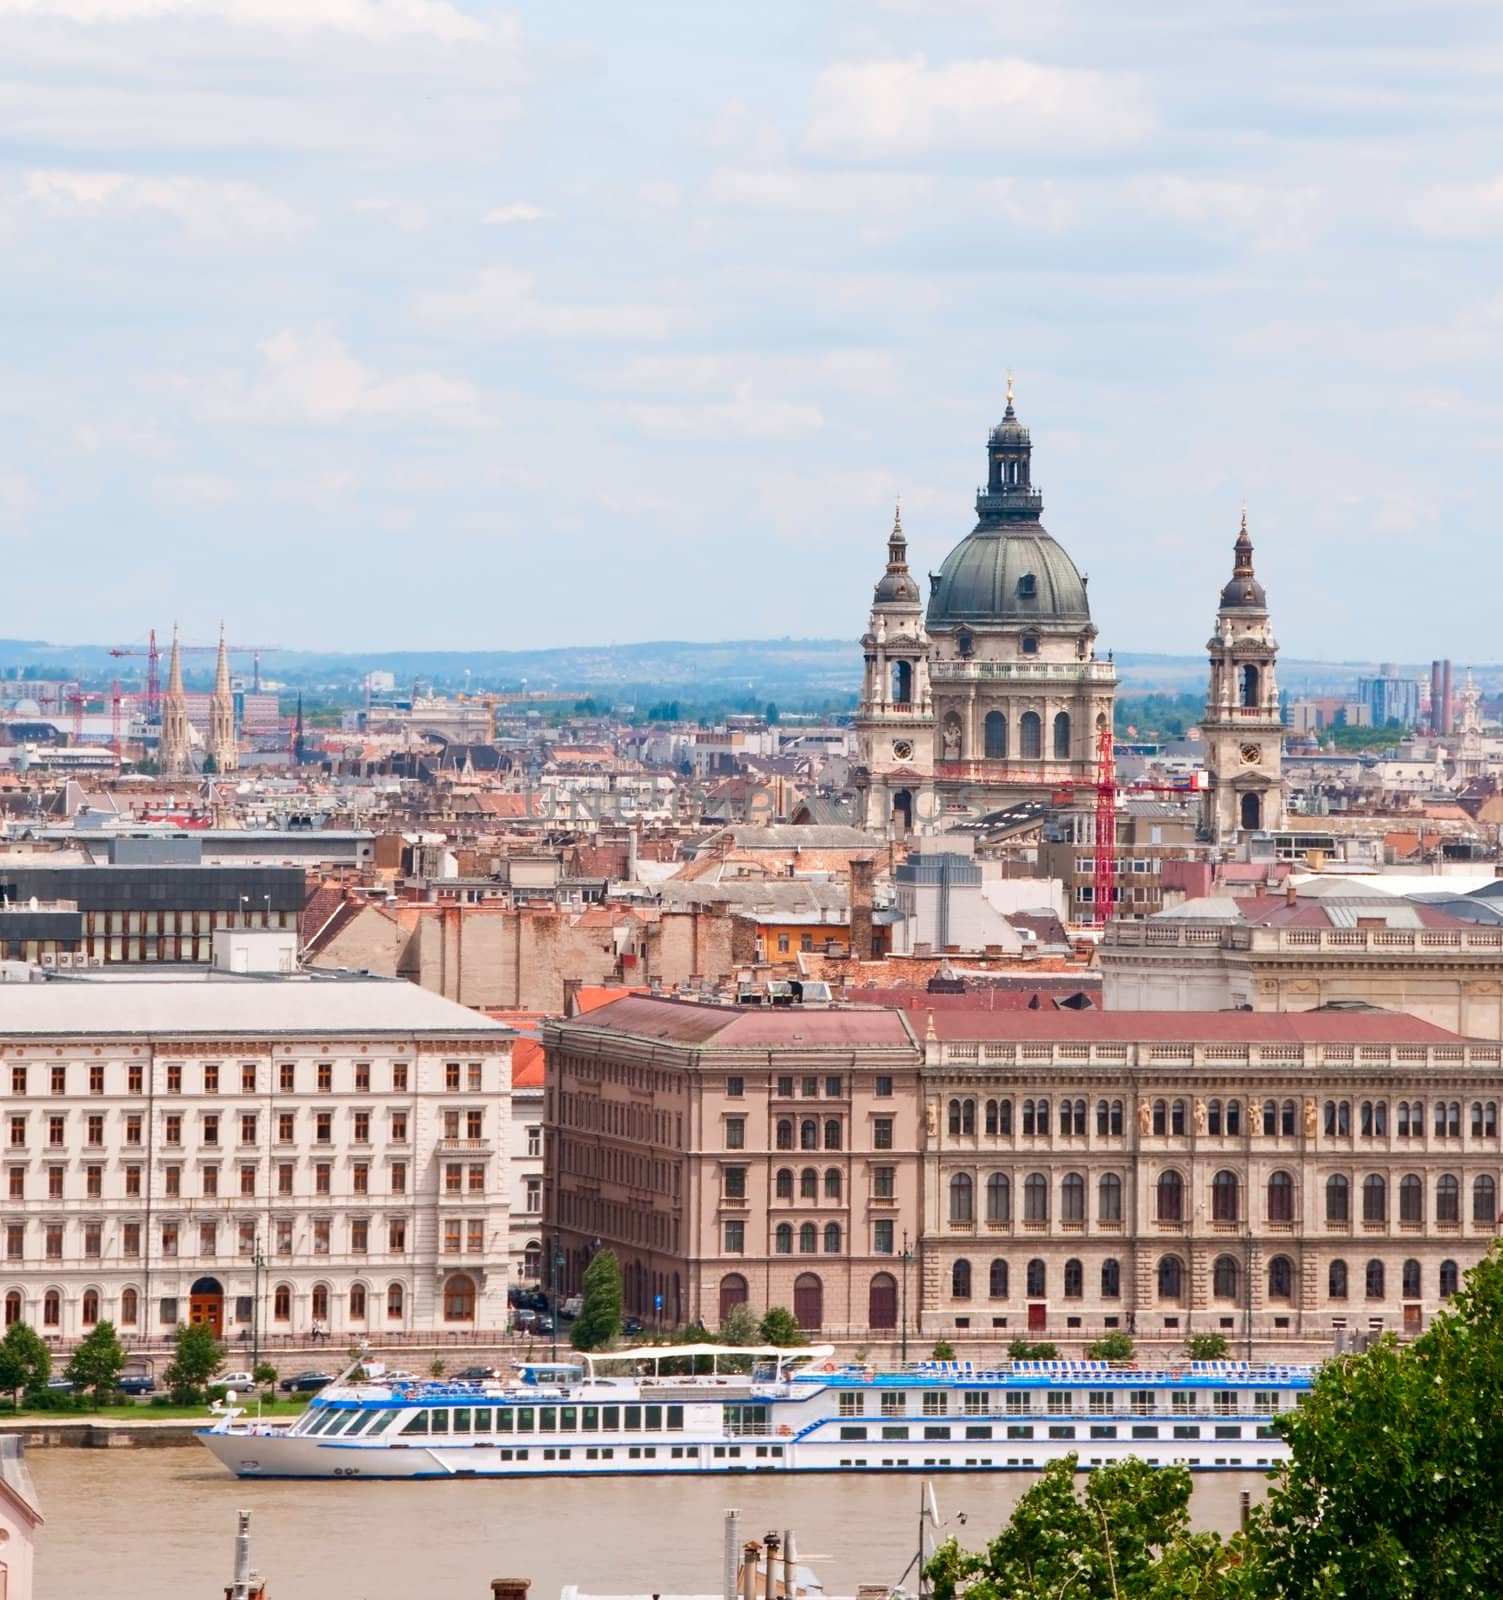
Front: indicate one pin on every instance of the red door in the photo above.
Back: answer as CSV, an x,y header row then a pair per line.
x,y
1038,1316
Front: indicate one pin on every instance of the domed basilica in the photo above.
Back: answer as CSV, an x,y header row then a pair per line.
x,y
992,693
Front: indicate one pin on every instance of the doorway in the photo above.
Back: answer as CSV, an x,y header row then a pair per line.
x,y
206,1305
1414,1318
1038,1316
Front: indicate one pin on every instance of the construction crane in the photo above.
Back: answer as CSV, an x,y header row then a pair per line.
x,y
153,655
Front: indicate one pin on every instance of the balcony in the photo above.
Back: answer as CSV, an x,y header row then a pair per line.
x,y
464,1147
1102,672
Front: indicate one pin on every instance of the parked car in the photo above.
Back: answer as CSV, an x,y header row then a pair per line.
x,y
477,1374
236,1380
60,1385
571,1307
631,1325
400,1377
525,1320
528,1299
137,1383
305,1382
543,1323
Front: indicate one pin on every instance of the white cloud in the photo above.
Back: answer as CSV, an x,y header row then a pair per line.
x,y
900,109
745,415
201,490
17,498
208,210
312,380
821,193
501,302
373,19
1273,214
1460,210
407,215
517,211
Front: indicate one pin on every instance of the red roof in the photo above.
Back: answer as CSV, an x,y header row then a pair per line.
x,y
526,1064
737,1027
1276,911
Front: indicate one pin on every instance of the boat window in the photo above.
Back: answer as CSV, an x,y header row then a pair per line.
x,y
341,1423
568,1419
363,1422
483,1421
524,1419
503,1421
633,1419
462,1420
384,1420
978,1430
547,1419
1101,1402
610,1418
438,1421
654,1419
416,1423
327,1421
676,1419
590,1416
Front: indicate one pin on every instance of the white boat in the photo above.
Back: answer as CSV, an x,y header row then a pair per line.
x,y
796,1410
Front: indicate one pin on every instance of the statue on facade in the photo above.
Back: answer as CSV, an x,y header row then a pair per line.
x,y
950,740
1311,1122
1200,1116
1145,1117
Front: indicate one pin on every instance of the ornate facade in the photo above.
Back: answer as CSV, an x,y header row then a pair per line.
x,y
173,753
222,749
993,693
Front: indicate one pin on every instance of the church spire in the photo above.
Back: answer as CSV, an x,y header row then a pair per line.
x,y
222,667
173,755
222,748
175,666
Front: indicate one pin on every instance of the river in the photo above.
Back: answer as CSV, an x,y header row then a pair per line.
x,y
162,1523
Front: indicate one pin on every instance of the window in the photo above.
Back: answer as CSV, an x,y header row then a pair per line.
x,y
396,1236
1336,1281
782,1239
284,1177
534,1140
323,1174
999,1117
1374,1276
94,1130
1160,1116
882,1087
784,1134
881,1133
359,1235
281,1303
960,1280
833,1087
399,1084
884,1183
394,1301
18,1131
399,1177
1224,1197
735,1133
451,1076
808,1239
1111,1279
1374,1198
1233,1118
474,1076
286,1126
997,1279
832,1238
994,736
169,1238
808,1134
1280,1197
360,1178
733,1183
1171,1278
248,1078
130,1307
323,1125
1484,1119
1225,1277
783,1183
52,1309
208,1239
16,1183
882,1236
1036,1279
1447,1198
1072,1198
18,1080
1170,1194
1030,724
57,1131
211,1129
1484,1199
1074,1280
961,1198
210,1182
1281,1278
1035,1198
1270,1118
60,1079
534,1196
130,1239
808,1184
357,1302
1062,736
399,1128
1411,1198
998,1198
1450,1279
172,1181
1338,1118
362,1127
832,1134
1338,1198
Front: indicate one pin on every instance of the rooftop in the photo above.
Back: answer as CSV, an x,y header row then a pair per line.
x,y
670,1021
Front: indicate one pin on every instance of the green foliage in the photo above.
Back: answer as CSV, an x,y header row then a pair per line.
x,y
1392,1487
436,1367
943,1350
599,1319
771,714
740,1326
25,1360
1115,1346
1206,1347
264,1373
98,1361
778,1327
197,1356
1033,1350
1122,1533
1154,717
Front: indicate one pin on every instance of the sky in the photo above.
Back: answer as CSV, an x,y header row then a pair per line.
x,y
443,324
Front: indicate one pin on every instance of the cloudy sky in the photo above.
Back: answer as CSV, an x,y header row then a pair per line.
x,y
439,323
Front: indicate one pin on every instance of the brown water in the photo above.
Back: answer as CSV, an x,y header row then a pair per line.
x,y
161,1523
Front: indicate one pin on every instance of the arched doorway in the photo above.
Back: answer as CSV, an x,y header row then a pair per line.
x,y
902,811
459,1298
882,1302
733,1293
1252,811
808,1301
206,1305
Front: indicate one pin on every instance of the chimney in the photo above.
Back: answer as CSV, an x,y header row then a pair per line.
x,y
510,1588
749,1570
862,873
571,996
1289,895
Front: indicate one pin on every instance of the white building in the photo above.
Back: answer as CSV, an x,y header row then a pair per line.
x,y
20,1517
256,1153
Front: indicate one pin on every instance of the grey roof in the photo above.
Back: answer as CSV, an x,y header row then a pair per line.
x,y
780,895
16,1475
1203,908
980,580
804,836
280,1007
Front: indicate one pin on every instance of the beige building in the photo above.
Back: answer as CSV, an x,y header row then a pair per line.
x,y
730,1156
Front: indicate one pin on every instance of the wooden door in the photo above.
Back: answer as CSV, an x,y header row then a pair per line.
x,y
1038,1317
207,1308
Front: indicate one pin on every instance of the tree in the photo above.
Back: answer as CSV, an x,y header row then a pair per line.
x,y
1206,1347
264,1373
1123,1533
1391,1488
771,714
943,1350
599,1319
25,1360
740,1325
197,1356
98,1362
1032,1350
1115,1346
778,1327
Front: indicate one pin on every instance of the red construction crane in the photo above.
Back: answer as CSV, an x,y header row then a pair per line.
x,y
153,656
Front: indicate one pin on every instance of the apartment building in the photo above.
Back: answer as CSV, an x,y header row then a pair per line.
x,y
735,1155
257,1153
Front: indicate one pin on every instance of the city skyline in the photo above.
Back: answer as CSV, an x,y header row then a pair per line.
x,y
453,326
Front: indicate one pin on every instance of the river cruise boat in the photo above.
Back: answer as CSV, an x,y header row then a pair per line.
x,y
795,1410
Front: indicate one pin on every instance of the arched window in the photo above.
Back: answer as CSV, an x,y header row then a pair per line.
x,y
1067,1118
1374,1198
13,1306
808,1300
998,1198
785,1134
130,1303
808,1239
832,1238
994,735
1280,1197
1252,811
1225,1278
968,1116
962,1197
1177,1117
1041,1116
1111,1279
960,1280
1401,1119
733,1292
1031,736
459,1298
320,1303
1072,1198
1374,1276
993,1125
1171,1278
1447,1198
357,1302
1036,1279
90,1307
1288,1113
1171,1197
808,1184
281,1303
808,1134
1224,1197
1450,1279
882,1301
396,1301
1411,1198
1213,1117
784,1183
1338,1198
832,1129
1248,694
832,1183
1028,1116
1062,736
782,1239
1074,1279
953,1120
532,1258
1109,1198
52,1309
1484,1199
996,1279
1160,1116
1281,1278
1233,1118
1336,1280
1410,1280
1035,1198
1103,1118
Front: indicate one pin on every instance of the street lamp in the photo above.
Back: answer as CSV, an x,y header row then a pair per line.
x,y
258,1262
558,1262
903,1326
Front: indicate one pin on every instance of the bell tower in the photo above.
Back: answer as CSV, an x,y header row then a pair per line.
x,y
1243,730
895,722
